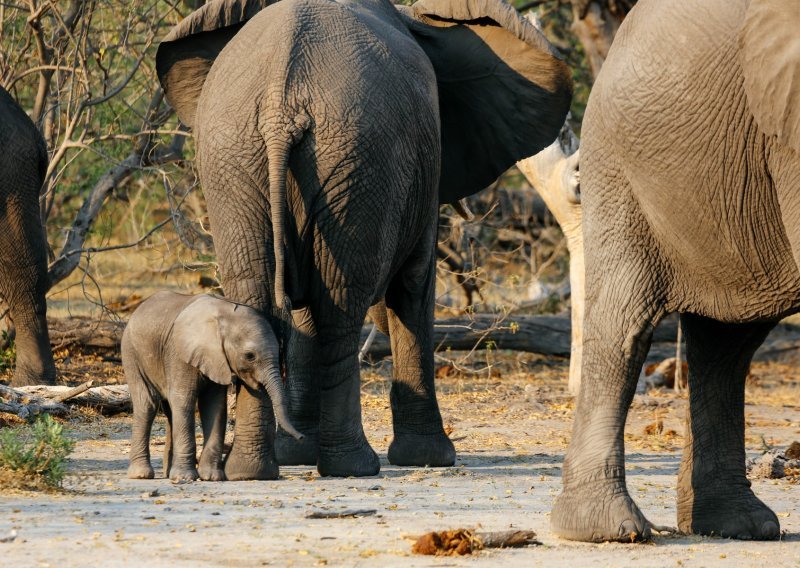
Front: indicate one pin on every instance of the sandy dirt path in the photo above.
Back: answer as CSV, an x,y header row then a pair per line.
x,y
510,431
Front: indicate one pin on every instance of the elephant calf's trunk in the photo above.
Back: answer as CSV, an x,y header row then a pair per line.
x,y
274,388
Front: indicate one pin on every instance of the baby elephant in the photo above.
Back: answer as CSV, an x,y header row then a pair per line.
x,y
181,352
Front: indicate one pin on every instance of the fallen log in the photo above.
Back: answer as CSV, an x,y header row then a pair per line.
x,y
109,399
26,405
548,335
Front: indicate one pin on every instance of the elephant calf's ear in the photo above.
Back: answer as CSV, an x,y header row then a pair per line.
x,y
770,59
187,53
198,340
503,90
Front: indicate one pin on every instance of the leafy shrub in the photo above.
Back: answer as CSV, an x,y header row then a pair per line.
x,y
34,457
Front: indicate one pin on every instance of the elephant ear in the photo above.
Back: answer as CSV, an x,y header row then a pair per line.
x,y
186,54
504,92
198,338
770,58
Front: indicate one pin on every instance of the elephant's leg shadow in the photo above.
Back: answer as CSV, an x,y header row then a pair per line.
x,y
714,495
595,504
419,437
302,391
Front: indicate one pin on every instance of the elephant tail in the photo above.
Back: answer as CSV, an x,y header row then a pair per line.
x,y
278,149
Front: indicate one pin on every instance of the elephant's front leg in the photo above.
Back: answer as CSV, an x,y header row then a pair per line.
x,y
213,405
594,504
714,495
419,437
302,391
343,448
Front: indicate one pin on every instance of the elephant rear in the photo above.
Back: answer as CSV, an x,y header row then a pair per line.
x,y
673,163
376,86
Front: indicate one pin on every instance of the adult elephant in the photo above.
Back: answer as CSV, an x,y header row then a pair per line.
x,y
23,245
327,134
690,181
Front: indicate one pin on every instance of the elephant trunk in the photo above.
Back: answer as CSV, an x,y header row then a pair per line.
x,y
272,381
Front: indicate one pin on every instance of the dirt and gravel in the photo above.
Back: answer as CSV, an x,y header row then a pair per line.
x,y
510,429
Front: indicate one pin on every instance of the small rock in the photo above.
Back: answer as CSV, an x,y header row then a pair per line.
x,y
149,494
11,536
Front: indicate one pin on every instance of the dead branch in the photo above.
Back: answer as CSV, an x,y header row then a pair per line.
x,y
108,399
26,406
72,393
346,514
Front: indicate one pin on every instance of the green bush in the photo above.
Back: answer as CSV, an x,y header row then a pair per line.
x,y
34,457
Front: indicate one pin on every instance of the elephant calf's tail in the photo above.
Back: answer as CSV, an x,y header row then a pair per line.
x,y
278,150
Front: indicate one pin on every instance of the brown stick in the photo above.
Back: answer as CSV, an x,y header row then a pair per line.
x,y
346,514
73,392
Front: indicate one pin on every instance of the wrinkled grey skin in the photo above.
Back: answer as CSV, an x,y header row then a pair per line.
x,y
180,352
690,187
322,129
23,245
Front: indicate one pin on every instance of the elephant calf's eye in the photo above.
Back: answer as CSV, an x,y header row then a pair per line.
x,y
250,356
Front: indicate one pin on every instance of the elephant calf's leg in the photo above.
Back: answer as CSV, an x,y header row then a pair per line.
x,y
343,448
145,406
184,446
213,404
302,392
419,437
714,495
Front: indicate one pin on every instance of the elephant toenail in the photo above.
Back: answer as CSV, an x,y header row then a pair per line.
x,y
770,530
628,530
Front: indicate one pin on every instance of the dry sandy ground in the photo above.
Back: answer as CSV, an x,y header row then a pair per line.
x,y
510,430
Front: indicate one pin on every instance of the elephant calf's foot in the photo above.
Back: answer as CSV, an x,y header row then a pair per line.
x,y
297,452
597,512
431,450
183,474
731,514
243,467
362,462
140,471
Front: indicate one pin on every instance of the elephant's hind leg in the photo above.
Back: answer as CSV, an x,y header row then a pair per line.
x,y
714,495
145,406
302,391
343,448
419,437
621,314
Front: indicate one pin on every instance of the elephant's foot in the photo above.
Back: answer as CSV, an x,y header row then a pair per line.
x,y
598,512
431,450
297,452
240,466
140,470
183,474
211,473
731,514
361,462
